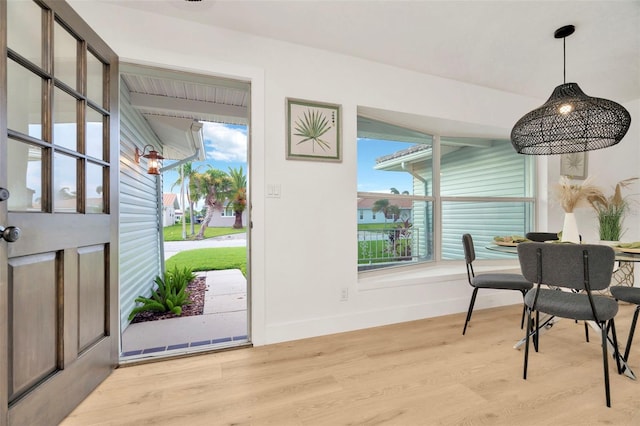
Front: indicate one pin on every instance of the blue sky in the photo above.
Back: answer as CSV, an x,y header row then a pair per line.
x,y
225,147
370,180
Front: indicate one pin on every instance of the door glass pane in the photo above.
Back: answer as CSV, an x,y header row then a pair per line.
x,y
65,56
94,134
64,183
24,176
24,100
24,32
94,79
95,203
64,120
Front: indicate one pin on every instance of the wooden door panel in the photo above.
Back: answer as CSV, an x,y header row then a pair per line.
x,y
58,284
92,302
33,320
64,390
43,233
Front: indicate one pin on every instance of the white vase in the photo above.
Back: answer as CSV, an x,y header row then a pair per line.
x,y
570,229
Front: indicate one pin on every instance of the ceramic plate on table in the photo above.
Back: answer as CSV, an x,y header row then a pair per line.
x,y
628,250
506,243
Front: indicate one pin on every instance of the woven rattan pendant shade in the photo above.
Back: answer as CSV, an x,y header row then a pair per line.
x,y
570,121
592,123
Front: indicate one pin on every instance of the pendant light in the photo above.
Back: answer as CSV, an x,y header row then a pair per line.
x,y
570,121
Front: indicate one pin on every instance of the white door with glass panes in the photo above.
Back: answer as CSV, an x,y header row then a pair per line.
x,y
58,214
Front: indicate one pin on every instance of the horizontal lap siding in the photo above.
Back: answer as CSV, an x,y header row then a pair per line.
x,y
480,172
139,226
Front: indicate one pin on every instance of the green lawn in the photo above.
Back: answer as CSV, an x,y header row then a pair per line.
x,y
376,226
174,232
210,259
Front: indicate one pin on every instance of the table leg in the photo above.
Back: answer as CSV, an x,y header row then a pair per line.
x,y
545,324
623,275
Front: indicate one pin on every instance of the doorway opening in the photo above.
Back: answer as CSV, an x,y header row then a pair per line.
x,y
200,124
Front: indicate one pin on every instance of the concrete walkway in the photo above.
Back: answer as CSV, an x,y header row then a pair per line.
x,y
223,322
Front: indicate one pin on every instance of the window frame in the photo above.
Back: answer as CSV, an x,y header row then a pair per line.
x,y
438,201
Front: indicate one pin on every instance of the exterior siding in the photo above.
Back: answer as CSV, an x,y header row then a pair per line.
x,y
139,260
474,172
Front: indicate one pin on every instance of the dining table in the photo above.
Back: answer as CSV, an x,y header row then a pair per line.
x,y
622,275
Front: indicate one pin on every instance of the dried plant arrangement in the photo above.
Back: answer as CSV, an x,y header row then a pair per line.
x,y
572,195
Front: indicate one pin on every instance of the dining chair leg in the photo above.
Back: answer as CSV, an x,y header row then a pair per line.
x,y
473,301
605,364
616,351
524,308
536,336
586,331
631,332
526,345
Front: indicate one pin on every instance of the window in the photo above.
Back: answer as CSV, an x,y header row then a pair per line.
x,y
406,196
228,210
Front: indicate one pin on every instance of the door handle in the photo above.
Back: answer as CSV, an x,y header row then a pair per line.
x,y
10,233
4,194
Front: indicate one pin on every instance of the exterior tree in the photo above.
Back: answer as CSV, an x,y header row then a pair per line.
x,y
390,211
187,171
215,186
396,192
238,194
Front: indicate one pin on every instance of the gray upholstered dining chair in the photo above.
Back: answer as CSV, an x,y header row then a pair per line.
x,y
629,295
574,271
497,281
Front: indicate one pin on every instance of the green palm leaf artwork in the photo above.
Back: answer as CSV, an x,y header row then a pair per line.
x,y
311,127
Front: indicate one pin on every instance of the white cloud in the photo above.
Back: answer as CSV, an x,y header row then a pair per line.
x,y
223,143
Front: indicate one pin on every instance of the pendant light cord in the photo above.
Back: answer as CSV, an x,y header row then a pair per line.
x,y
564,63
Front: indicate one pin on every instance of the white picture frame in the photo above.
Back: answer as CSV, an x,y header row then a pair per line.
x,y
574,165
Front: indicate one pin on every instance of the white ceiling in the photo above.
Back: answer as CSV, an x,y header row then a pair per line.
x,y
506,45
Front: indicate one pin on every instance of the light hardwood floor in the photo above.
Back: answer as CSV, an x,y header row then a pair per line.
x,y
415,373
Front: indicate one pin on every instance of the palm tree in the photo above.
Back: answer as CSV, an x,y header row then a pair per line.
x,y
396,192
389,210
215,186
238,194
187,171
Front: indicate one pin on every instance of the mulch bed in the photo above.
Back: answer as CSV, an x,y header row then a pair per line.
x,y
196,289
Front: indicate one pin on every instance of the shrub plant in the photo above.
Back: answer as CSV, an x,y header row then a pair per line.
x,y
169,295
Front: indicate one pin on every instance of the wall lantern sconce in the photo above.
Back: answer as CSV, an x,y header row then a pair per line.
x,y
570,121
153,157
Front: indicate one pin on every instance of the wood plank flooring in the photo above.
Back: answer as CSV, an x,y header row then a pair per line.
x,y
415,373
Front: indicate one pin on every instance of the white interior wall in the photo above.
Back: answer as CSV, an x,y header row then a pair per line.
x,y
304,250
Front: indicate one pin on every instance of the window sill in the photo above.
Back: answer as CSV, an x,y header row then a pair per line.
x,y
432,273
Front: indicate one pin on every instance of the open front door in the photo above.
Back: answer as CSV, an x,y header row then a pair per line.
x,y
58,211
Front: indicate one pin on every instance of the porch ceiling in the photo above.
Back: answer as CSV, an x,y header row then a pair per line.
x,y
175,103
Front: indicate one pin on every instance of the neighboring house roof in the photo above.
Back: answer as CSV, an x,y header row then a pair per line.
x,y
403,153
367,203
170,200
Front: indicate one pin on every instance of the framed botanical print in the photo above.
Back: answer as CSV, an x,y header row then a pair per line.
x,y
313,131
574,165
